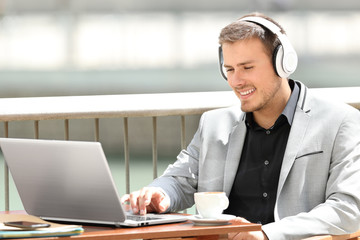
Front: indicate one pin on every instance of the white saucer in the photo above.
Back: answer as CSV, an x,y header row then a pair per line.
x,y
222,220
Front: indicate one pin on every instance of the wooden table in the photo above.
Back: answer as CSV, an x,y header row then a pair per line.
x,y
184,230
167,231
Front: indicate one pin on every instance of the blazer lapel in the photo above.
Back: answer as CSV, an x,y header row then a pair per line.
x,y
296,136
236,142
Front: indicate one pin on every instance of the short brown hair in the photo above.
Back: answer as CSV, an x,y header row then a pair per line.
x,y
242,30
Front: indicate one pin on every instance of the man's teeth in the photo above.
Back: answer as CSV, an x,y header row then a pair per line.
x,y
247,92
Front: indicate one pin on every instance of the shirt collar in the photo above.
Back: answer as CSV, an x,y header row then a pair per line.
x,y
289,109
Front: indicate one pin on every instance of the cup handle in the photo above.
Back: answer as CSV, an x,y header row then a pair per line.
x,y
225,202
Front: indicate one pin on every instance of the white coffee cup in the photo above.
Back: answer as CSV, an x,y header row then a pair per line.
x,y
211,204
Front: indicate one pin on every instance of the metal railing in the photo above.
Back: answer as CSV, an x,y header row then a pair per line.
x,y
127,106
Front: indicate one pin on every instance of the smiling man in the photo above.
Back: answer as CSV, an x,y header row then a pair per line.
x,y
286,158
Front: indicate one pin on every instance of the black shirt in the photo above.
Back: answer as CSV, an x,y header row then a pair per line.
x,y
254,190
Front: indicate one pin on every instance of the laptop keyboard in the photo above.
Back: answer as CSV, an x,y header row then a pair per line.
x,y
140,218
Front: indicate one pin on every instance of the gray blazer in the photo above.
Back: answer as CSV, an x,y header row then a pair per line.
x,y
319,185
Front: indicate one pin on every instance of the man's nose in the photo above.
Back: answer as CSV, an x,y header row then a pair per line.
x,y
237,77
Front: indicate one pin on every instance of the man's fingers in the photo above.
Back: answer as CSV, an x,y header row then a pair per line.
x,y
160,202
144,200
133,199
147,199
240,220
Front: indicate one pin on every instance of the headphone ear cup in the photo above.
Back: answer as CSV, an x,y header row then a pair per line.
x,y
278,57
221,64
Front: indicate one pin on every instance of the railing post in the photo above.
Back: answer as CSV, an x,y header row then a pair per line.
x,y
154,147
183,140
6,173
36,129
67,136
97,129
126,153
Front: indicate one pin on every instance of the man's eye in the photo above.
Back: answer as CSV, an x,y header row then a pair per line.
x,y
229,69
248,67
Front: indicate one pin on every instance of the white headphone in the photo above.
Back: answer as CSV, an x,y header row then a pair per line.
x,y
284,57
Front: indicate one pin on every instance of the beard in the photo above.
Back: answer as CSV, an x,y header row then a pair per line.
x,y
262,99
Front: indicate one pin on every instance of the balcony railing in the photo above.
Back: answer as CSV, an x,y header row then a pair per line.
x,y
127,106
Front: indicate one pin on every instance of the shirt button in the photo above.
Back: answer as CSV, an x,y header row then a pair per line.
x,y
266,162
267,132
265,194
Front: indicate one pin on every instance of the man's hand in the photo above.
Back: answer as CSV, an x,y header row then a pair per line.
x,y
147,199
255,235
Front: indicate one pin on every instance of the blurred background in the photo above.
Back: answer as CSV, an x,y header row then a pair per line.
x,y
86,47
96,47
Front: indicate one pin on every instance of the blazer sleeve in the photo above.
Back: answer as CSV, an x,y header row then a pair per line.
x,y
180,179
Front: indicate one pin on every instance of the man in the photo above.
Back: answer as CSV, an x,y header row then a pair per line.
x,y
287,159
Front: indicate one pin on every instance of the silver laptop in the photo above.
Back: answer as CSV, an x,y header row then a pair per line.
x,y
70,181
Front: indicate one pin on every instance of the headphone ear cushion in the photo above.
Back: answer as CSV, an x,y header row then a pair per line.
x,y
278,57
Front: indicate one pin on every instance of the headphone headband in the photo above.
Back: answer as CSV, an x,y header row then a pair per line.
x,y
263,22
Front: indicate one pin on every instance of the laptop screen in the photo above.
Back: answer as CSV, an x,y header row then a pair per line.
x,y
63,179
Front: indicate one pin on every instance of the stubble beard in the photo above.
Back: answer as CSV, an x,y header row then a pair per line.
x,y
265,101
